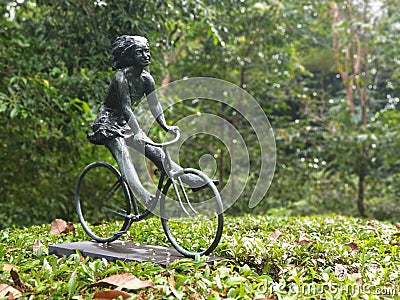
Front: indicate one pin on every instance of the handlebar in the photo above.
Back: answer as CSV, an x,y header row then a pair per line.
x,y
177,136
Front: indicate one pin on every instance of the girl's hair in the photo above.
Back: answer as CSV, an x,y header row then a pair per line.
x,y
121,50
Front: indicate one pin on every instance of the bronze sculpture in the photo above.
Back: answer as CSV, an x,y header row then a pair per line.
x,y
105,194
116,126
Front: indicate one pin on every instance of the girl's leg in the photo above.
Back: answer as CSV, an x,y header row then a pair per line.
x,y
156,155
119,150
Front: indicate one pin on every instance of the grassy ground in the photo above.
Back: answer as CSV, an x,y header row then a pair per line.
x,y
266,258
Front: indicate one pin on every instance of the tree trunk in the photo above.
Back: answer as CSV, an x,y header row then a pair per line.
x,y
360,193
342,61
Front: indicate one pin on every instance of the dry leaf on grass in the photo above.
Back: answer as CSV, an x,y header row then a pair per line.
x,y
353,247
303,241
275,235
59,226
9,292
7,267
111,294
172,286
17,281
10,296
397,225
37,245
126,281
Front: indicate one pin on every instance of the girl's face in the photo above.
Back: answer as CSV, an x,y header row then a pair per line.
x,y
141,54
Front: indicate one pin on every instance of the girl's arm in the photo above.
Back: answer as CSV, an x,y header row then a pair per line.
x,y
153,102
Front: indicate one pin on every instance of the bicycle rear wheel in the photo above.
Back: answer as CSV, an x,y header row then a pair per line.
x,y
102,200
192,220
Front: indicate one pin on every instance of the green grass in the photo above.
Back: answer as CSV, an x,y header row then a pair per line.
x,y
327,257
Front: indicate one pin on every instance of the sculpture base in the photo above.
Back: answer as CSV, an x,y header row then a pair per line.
x,y
123,251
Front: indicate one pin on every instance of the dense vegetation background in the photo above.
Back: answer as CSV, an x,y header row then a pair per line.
x,y
325,72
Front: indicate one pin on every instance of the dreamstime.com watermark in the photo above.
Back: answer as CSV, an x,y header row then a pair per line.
x,y
351,289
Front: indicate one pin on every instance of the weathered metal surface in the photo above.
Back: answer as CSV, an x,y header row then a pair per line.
x,y
123,251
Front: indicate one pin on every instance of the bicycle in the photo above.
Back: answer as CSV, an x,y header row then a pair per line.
x,y
103,195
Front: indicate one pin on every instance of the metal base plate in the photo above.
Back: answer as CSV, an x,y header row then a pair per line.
x,y
124,251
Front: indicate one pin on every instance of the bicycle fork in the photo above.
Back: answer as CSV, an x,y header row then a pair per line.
x,y
171,175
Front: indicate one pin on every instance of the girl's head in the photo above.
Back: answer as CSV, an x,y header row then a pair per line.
x,y
126,50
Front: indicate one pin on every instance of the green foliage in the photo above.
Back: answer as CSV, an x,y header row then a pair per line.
x,y
54,73
324,149
288,258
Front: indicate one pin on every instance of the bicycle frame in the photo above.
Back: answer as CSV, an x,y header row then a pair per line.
x,y
166,172
128,211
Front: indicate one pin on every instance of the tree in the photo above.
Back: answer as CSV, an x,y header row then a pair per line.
x,y
334,112
55,72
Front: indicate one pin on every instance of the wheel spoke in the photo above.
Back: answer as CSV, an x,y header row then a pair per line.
x,y
123,215
111,191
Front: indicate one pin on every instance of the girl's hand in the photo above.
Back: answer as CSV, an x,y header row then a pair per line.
x,y
140,137
173,129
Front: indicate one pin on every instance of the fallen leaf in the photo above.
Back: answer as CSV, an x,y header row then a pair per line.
x,y
396,235
111,294
125,280
397,225
172,279
17,280
352,246
7,267
59,226
37,245
275,235
303,241
9,292
172,285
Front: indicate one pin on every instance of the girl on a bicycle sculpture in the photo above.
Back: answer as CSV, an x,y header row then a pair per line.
x,y
116,126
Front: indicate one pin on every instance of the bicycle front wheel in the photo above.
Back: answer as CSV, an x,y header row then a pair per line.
x,y
103,202
192,219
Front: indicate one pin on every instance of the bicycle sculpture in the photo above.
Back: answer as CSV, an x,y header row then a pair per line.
x,y
190,205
